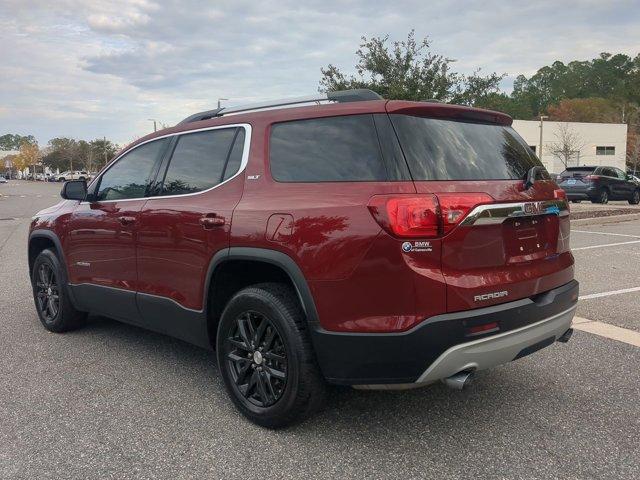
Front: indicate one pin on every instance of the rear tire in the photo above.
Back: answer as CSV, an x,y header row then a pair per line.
x,y
635,198
50,294
603,197
266,358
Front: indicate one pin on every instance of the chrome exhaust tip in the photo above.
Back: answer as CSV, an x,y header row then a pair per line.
x,y
458,381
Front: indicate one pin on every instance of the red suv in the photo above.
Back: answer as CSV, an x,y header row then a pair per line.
x,y
340,239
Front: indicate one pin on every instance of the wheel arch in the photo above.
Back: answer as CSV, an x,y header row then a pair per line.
x,y
267,262
39,240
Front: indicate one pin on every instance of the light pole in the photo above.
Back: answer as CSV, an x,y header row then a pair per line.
x,y
542,119
220,100
154,123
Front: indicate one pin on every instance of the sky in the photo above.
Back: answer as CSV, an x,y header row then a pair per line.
x,y
87,69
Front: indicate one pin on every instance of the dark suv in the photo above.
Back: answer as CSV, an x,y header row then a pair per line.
x,y
599,184
340,239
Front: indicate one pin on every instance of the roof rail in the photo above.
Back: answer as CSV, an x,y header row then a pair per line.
x,y
340,96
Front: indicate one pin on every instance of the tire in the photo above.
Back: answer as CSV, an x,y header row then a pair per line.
x,y
603,197
635,198
283,387
51,297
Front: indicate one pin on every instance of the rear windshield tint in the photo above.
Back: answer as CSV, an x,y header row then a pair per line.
x,y
438,149
577,172
334,149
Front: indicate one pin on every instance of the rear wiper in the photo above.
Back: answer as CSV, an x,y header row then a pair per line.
x,y
531,176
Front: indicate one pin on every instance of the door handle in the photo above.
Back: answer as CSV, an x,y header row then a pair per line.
x,y
212,220
126,220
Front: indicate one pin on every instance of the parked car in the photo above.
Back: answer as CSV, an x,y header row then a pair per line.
x,y
599,184
363,242
75,175
2,179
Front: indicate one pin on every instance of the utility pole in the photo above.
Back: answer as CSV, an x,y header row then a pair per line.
x,y
542,119
104,149
155,129
220,100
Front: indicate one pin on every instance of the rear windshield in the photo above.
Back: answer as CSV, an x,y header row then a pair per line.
x,y
577,172
439,149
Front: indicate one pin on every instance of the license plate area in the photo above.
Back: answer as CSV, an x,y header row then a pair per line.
x,y
530,238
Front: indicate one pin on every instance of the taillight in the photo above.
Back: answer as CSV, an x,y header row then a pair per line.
x,y
407,216
424,216
455,206
560,194
592,178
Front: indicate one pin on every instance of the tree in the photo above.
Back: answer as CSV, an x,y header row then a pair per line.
x,y
568,143
28,157
102,150
633,152
585,110
409,70
13,141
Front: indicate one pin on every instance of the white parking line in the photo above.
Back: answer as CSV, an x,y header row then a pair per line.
x,y
605,245
606,294
607,330
606,233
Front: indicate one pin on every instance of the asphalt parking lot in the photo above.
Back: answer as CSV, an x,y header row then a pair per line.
x,y
115,401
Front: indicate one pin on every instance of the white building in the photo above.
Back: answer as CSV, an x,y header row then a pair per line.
x,y
602,143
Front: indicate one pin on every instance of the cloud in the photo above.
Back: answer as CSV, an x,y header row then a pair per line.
x,y
92,68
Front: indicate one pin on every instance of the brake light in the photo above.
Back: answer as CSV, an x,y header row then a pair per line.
x,y
407,216
455,206
560,194
592,177
425,216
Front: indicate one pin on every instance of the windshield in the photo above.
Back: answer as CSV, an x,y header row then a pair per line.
x,y
439,149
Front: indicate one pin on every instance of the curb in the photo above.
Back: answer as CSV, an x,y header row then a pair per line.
x,y
627,217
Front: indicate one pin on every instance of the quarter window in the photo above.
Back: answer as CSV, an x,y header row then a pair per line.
x,y
130,176
202,160
333,149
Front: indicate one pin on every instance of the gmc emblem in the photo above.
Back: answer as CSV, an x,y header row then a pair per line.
x,y
533,208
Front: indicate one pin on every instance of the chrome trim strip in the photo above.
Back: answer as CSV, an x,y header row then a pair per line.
x,y
497,213
243,162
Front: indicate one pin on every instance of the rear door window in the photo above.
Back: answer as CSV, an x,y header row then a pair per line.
x,y
438,149
333,149
202,160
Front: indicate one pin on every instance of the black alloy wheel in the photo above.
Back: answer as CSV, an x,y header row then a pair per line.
x,y
266,358
257,359
47,293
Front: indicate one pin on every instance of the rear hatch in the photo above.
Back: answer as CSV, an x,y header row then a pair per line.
x,y
501,240
575,178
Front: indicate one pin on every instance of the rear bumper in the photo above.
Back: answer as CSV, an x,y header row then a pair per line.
x,y
440,346
498,349
581,193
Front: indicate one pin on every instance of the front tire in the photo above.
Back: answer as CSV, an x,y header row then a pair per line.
x,y
635,198
266,359
54,307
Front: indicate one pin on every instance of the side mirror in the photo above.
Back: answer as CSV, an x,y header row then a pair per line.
x,y
74,190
